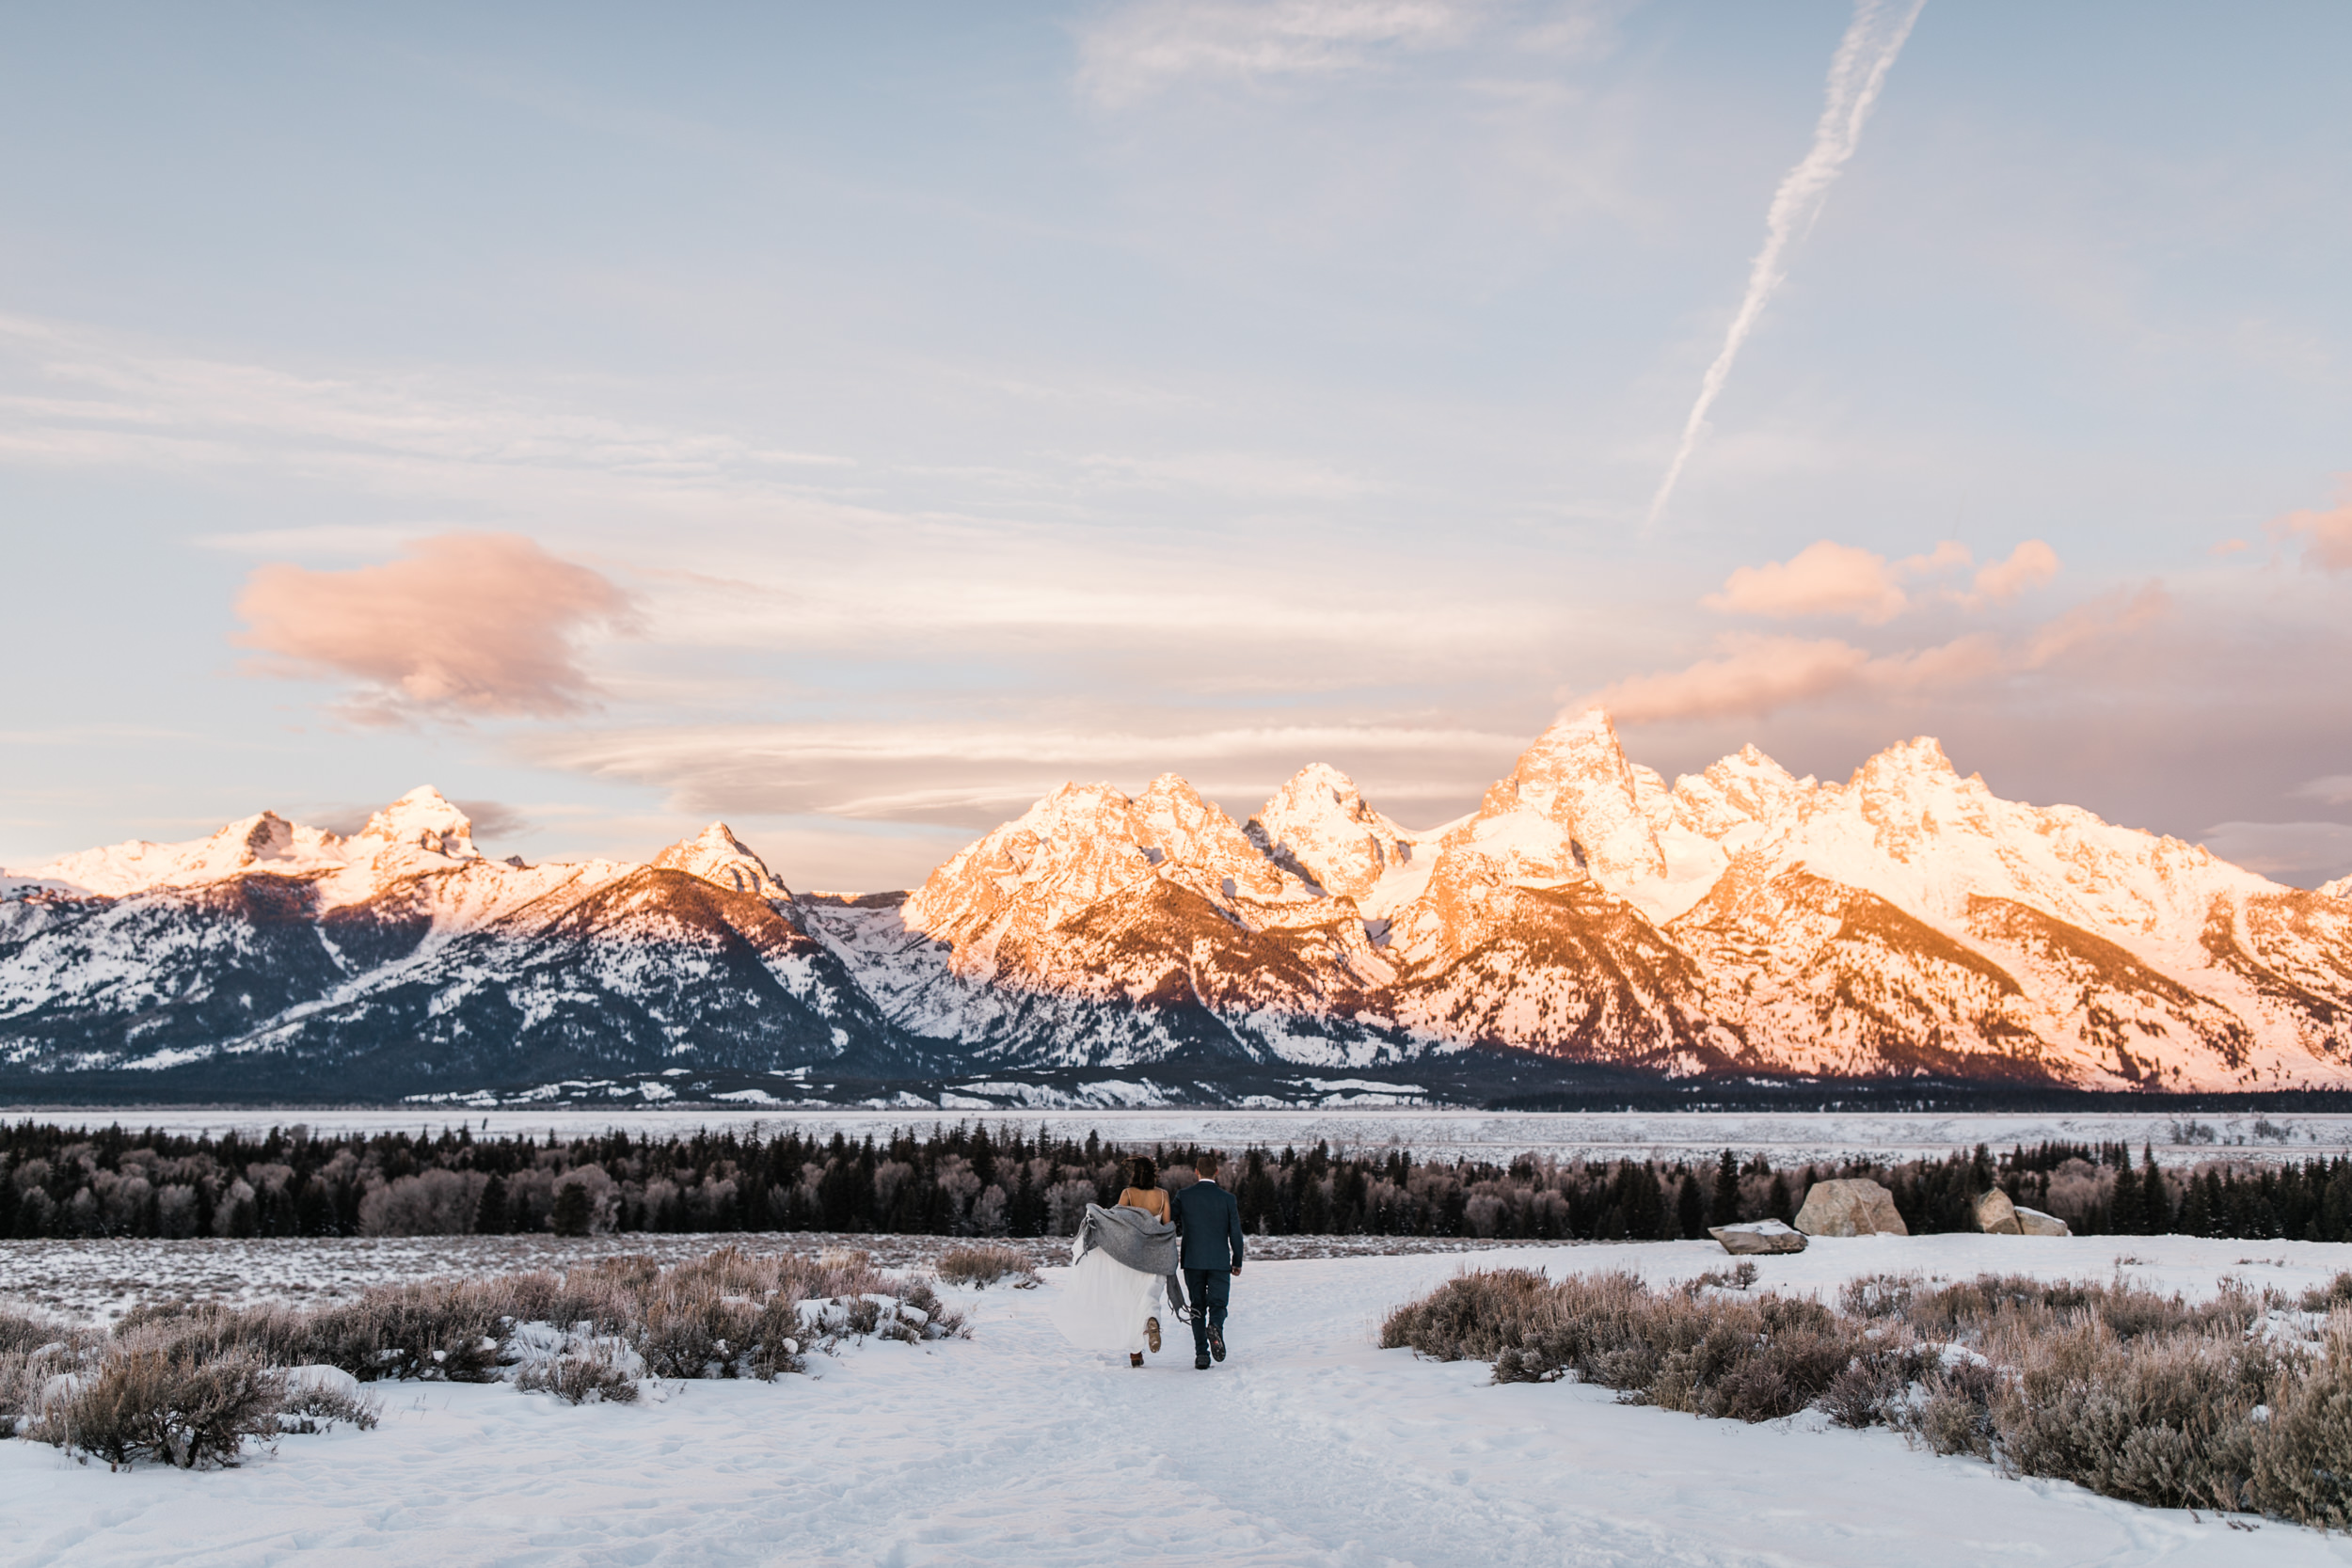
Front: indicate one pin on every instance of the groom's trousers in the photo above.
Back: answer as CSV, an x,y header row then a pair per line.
x,y
1208,1291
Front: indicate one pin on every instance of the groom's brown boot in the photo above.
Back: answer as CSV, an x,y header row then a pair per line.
x,y
1152,1334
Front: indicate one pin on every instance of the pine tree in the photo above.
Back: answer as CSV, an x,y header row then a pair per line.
x,y
1688,1219
1726,1208
1776,1202
571,1209
490,1217
2124,1215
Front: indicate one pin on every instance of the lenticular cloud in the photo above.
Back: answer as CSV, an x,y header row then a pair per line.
x,y
1856,74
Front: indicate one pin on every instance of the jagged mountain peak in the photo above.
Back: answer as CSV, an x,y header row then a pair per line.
x,y
1190,831
1320,828
422,819
1572,805
717,856
1737,797
2340,888
1920,757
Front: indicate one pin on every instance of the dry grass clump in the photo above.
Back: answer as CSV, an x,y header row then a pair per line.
x,y
2326,1298
981,1264
2230,1404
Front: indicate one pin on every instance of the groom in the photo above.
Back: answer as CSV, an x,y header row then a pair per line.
x,y
1209,1222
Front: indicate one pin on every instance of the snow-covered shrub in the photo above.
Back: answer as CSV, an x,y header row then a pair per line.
x,y
312,1399
1746,1359
435,1330
2232,1403
602,1371
144,1403
981,1264
1750,1360
2303,1449
2163,1419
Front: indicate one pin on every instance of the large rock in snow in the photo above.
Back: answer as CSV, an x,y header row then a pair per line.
x,y
1996,1216
1759,1236
2033,1222
1850,1208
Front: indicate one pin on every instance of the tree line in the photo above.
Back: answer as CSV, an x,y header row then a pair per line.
x,y
966,1179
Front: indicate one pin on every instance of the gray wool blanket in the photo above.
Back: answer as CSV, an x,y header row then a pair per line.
x,y
1136,1239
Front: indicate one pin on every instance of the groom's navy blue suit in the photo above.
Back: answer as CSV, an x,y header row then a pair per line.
x,y
1209,1221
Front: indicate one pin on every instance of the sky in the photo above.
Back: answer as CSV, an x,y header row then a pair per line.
x,y
854,421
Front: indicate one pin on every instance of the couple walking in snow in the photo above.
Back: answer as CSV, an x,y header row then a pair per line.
x,y
1129,1259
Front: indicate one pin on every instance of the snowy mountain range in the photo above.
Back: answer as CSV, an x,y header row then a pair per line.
x,y
1741,921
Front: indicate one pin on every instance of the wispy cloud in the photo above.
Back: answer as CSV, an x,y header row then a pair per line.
x,y
1749,677
2300,852
2326,537
77,397
1856,74
2335,789
976,774
1132,51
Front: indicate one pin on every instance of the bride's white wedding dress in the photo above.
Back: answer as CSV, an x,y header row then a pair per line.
x,y
1105,1304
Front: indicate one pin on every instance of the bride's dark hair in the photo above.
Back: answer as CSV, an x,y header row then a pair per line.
x,y
1142,1173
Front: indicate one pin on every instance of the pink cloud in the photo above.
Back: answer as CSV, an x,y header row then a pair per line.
x,y
1823,579
1829,579
1753,676
2029,565
470,624
2327,535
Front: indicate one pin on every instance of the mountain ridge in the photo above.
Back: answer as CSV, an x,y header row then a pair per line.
x,y
1739,921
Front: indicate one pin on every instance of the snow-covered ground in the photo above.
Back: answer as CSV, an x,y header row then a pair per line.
x,y
1787,1136
97,1279
1307,1447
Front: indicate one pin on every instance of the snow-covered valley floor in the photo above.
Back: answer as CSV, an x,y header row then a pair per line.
x,y
1307,1447
1788,1137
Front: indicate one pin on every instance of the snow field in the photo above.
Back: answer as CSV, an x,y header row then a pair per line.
x,y
1788,1137
1307,1447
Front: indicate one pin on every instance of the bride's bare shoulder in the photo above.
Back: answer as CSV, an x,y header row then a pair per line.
x,y
1153,1201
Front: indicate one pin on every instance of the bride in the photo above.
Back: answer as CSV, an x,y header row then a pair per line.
x,y
1124,1267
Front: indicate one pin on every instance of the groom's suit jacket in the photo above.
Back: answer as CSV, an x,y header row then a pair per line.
x,y
1209,1221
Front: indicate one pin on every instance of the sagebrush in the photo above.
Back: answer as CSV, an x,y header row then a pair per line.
x,y
2243,1402
192,1385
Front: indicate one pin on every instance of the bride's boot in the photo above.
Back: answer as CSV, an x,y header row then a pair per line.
x,y
1135,1359
1152,1334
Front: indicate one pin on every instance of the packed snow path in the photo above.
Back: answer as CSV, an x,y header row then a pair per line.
x,y
1307,1447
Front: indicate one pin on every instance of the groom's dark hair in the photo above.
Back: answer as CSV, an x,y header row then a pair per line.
x,y
1205,1162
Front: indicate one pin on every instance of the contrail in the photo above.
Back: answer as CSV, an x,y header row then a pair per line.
x,y
1856,75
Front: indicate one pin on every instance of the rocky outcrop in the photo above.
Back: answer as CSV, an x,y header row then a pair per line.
x,y
1850,1207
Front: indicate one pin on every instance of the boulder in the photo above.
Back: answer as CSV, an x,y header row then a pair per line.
x,y
1758,1236
1996,1216
1850,1208
2033,1222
